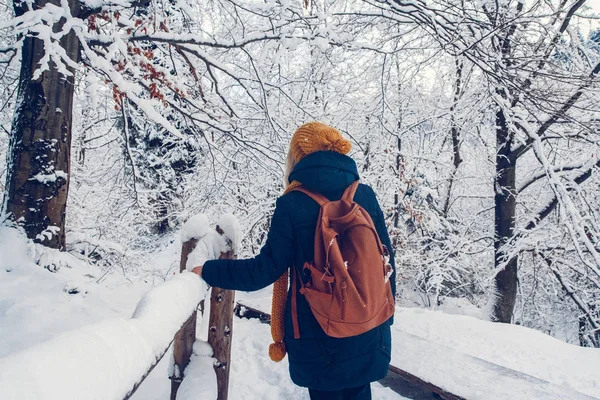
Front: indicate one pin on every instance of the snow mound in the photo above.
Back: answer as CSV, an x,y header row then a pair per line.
x,y
106,358
200,380
232,229
210,243
14,249
195,228
510,346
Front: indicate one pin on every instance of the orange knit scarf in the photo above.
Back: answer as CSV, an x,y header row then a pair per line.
x,y
280,287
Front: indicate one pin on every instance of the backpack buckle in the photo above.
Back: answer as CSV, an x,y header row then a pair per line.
x,y
388,272
386,252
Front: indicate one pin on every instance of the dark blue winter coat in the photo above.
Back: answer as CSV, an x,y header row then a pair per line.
x,y
316,360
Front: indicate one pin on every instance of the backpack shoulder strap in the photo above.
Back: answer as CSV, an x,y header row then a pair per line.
x,y
319,198
350,192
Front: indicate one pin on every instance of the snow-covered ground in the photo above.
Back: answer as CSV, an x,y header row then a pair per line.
x,y
37,305
479,359
253,375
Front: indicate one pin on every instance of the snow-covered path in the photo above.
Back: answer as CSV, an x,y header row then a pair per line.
x,y
253,375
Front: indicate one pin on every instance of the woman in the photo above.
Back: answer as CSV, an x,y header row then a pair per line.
x,y
331,368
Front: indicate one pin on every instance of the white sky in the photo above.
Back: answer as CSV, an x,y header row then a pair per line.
x,y
595,6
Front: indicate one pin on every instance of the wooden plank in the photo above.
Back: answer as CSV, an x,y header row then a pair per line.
x,y
244,311
182,351
186,336
220,329
219,336
186,249
406,389
424,385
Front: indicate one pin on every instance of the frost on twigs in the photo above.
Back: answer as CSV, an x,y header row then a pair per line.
x,y
211,242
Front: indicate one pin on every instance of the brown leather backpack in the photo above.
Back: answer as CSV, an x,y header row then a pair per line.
x,y
348,290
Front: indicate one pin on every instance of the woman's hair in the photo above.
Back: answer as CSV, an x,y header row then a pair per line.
x,y
289,167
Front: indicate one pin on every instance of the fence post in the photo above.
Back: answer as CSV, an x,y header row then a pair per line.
x,y
186,336
221,327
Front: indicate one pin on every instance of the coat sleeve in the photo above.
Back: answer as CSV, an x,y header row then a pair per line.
x,y
255,273
382,231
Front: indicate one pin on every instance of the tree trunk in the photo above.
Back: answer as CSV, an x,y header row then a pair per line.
x,y
504,222
455,134
399,160
397,191
37,179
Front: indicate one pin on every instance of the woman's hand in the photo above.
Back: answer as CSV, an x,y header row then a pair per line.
x,y
197,270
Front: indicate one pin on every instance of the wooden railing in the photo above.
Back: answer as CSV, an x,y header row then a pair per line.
x,y
110,359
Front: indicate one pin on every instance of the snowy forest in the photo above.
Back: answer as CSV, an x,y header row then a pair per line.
x,y
477,123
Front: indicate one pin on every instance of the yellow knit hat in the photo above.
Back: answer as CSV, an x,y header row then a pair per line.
x,y
316,136
309,138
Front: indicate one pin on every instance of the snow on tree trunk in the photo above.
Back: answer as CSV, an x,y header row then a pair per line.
x,y
39,152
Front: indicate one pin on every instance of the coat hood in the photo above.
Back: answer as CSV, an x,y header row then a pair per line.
x,y
325,172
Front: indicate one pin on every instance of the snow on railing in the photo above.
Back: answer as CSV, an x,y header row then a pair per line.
x,y
109,359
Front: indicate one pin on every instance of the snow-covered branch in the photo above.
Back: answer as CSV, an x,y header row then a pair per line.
x,y
551,205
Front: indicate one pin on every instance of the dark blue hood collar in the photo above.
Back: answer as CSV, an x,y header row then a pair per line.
x,y
325,172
